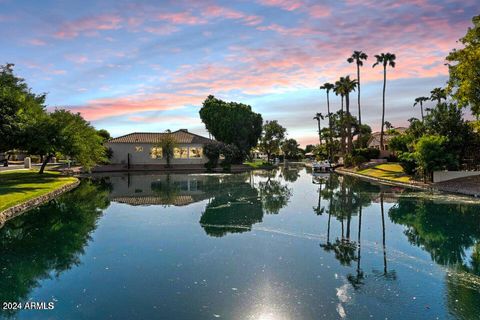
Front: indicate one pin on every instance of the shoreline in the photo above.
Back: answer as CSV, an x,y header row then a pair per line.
x,y
21,208
417,186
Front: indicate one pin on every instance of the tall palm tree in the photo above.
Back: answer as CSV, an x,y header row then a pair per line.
x,y
438,94
338,89
319,116
385,59
348,85
327,87
357,57
420,101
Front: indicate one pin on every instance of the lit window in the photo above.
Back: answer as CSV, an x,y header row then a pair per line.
x,y
156,153
138,149
180,153
195,152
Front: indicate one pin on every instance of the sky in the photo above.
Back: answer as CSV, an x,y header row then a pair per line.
x,y
147,66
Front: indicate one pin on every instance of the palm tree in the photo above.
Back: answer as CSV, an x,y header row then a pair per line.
x,y
386,59
327,87
357,57
348,85
438,94
317,117
338,89
420,101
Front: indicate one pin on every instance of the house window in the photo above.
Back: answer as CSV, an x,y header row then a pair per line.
x,y
138,149
180,153
156,153
195,152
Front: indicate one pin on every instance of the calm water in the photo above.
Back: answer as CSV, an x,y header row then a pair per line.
x,y
262,245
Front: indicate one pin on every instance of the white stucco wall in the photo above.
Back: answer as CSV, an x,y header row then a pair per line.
x,y
121,151
439,176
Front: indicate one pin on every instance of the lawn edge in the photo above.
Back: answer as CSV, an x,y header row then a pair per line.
x,y
20,208
416,185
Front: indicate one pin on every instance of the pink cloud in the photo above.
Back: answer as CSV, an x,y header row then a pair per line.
x,y
89,26
36,42
289,5
77,58
181,18
227,13
162,30
108,107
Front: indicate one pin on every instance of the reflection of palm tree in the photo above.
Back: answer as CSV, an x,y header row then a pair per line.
x,y
319,210
357,280
386,274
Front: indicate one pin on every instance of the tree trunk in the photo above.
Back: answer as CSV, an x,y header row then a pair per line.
x,y
383,107
359,232
359,109
5,163
421,109
319,132
44,163
342,130
349,125
330,128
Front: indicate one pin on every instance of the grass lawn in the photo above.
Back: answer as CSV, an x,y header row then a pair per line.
x,y
259,164
387,171
18,186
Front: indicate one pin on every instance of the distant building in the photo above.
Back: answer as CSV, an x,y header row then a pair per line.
x,y
142,148
374,141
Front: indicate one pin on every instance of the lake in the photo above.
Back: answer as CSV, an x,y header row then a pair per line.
x,y
280,244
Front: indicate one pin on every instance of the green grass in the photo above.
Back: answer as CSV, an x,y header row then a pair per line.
x,y
18,186
387,171
259,164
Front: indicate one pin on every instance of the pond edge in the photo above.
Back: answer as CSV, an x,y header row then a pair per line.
x,y
18,209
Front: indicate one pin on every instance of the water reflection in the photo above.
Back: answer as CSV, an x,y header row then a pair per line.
x,y
49,240
371,236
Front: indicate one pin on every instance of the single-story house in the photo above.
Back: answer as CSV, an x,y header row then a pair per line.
x,y
374,141
142,148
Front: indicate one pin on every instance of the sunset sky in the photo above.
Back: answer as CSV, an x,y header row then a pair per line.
x,y
148,66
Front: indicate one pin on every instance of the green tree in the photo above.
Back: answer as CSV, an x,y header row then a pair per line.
x,y
420,101
272,138
168,143
339,91
104,134
431,154
346,86
66,133
290,148
385,59
232,123
358,57
319,116
328,87
437,94
447,120
464,69
19,107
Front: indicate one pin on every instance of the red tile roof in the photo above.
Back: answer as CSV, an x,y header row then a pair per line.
x,y
182,136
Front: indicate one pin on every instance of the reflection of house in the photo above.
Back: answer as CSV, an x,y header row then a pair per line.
x,y
142,148
141,190
374,141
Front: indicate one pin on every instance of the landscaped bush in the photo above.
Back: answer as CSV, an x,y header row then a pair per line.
x,y
348,161
212,152
408,162
231,154
358,160
367,153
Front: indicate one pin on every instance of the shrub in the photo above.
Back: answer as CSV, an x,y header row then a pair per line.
x,y
231,154
359,160
408,162
212,152
348,161
367,153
